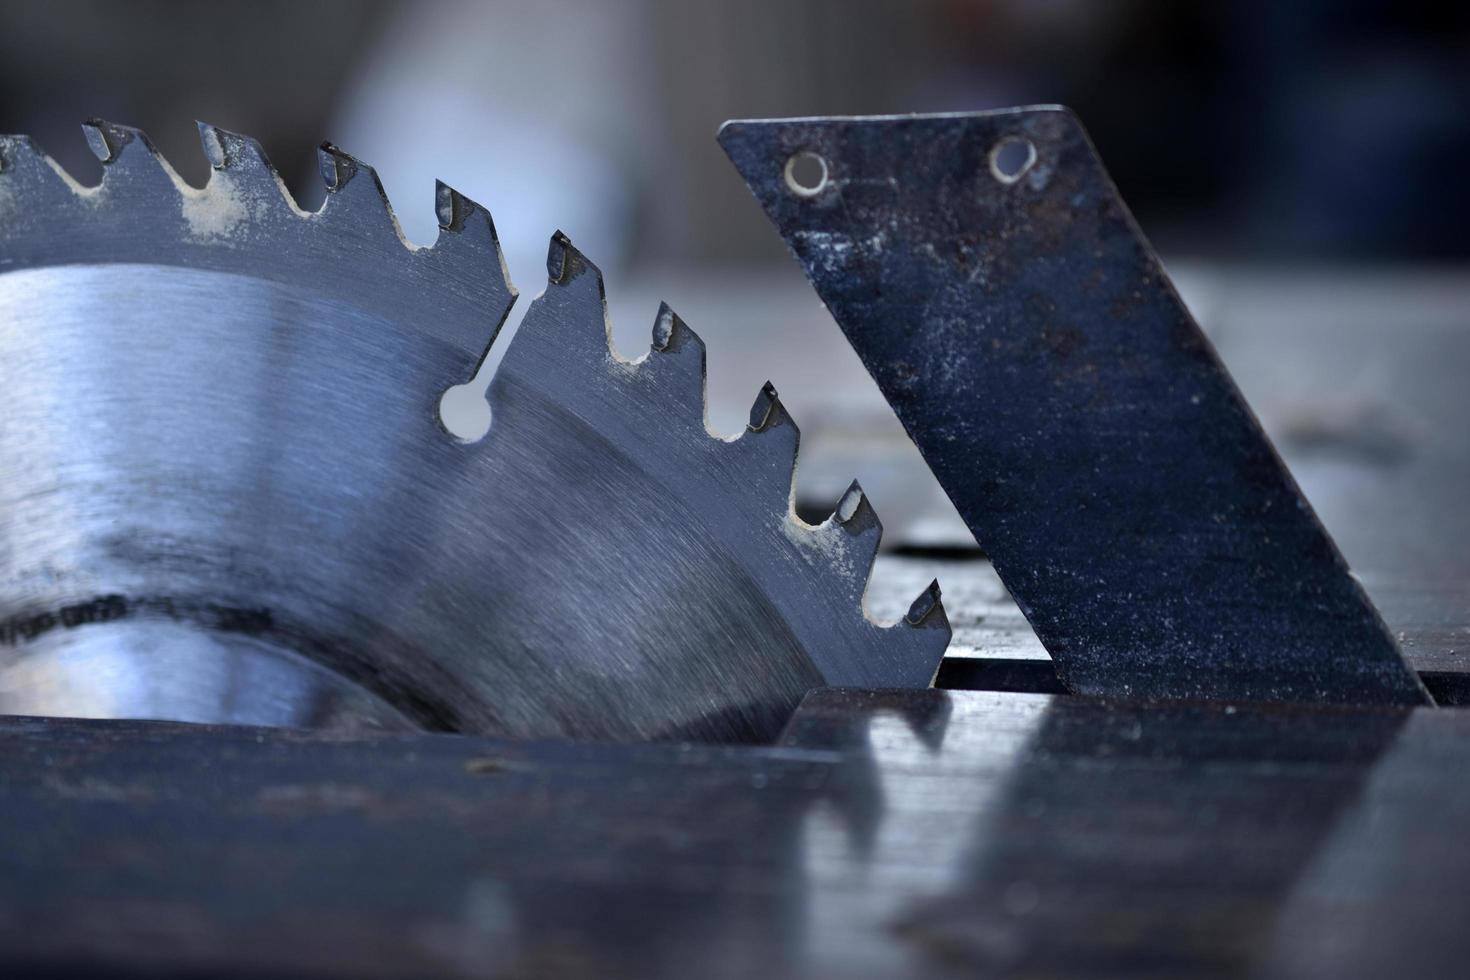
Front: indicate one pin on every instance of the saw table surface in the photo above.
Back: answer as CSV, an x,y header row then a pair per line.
x,y
927,833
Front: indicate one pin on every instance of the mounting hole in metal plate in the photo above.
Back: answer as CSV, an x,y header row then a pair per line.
x,y
1011,158
806,173
464,412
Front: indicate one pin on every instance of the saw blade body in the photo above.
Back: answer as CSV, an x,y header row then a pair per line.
x,y
228,495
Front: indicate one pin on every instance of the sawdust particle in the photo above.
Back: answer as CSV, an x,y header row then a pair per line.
x,y
217,211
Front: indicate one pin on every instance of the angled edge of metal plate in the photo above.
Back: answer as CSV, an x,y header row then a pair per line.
x,y
989,275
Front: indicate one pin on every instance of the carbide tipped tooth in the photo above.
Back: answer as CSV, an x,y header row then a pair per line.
x,y
467,238
767,412
556,258
676,363
772,439
106,139
348,178
927,611
451,207
853,532
212,139
671,335
574,285
768,416
853,510
242,185
227,151
128,156
337,168
354,192
668,329
565,263
568,321
927,626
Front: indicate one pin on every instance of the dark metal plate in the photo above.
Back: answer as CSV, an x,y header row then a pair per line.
x,y
996,287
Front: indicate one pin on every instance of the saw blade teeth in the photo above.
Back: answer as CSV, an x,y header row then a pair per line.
x,y
575,296
215,143
928,625
106,139
28,163
467,237
452,208
672,337
128,156
338,169
677,357
243,185
853,510
852,535
567,324
561,383
773,439
767,411
566,265
859,523
670,332
354,192
927,611
234,154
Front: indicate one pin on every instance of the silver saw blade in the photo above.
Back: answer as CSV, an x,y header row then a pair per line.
x,y
228,496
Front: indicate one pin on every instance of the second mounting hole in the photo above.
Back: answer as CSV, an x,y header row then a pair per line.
x,y
806,173
464,412
1011,158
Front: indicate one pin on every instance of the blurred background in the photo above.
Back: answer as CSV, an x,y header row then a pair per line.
x,y
1299,166
1252,128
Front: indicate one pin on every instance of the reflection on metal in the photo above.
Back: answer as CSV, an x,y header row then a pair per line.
x,y
1382,847
859,854
228,496
996,287
916,833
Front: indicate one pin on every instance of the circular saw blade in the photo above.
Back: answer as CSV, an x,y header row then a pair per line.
x,y
228,496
